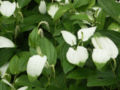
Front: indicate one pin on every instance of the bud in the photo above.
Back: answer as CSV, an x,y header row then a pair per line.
x,y
100,57
42,7
69,38
52,10
77,56
6,43
86,33
107,44
35,66
7,8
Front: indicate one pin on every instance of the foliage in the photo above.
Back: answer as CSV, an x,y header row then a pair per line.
x,y
34,33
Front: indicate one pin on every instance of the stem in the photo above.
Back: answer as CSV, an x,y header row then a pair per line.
x,y
115,64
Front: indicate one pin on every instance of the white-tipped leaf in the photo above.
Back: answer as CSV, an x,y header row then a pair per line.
x,y
35,66
3,70
52,10
6,43
86,33
69,38
107,44
7,8
100,57
23,88
77,56
42,7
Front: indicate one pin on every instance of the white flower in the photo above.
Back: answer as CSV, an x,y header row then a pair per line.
x,y
86,33
107,44
77,56
100,56
23,88
35,66
3,69
52,10
69,38
7,8
42,7
6,43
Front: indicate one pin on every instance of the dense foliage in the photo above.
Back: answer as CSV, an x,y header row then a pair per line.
x,y
60,45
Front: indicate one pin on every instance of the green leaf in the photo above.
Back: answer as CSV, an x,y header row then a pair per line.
x,y
79,3
111,7
62,10
37,42
62,50
48,49
80,73
80,16
19,62
102,79
6,54
23,3
3,86
114,26
24,81
38,1
100,20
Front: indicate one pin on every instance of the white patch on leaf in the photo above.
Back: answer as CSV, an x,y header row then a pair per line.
x,y
86,33
52,10
69,38
7,8
80,55
107,44
3,69
100,56
35,65
23,88
6,43
42,7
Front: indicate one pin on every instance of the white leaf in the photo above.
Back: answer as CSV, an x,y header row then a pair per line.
x,y
77,56
6,43
7,8
52,10
42,7
23,88
100,56
67,2
69,38
86,33
35,65
107,44
3,69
